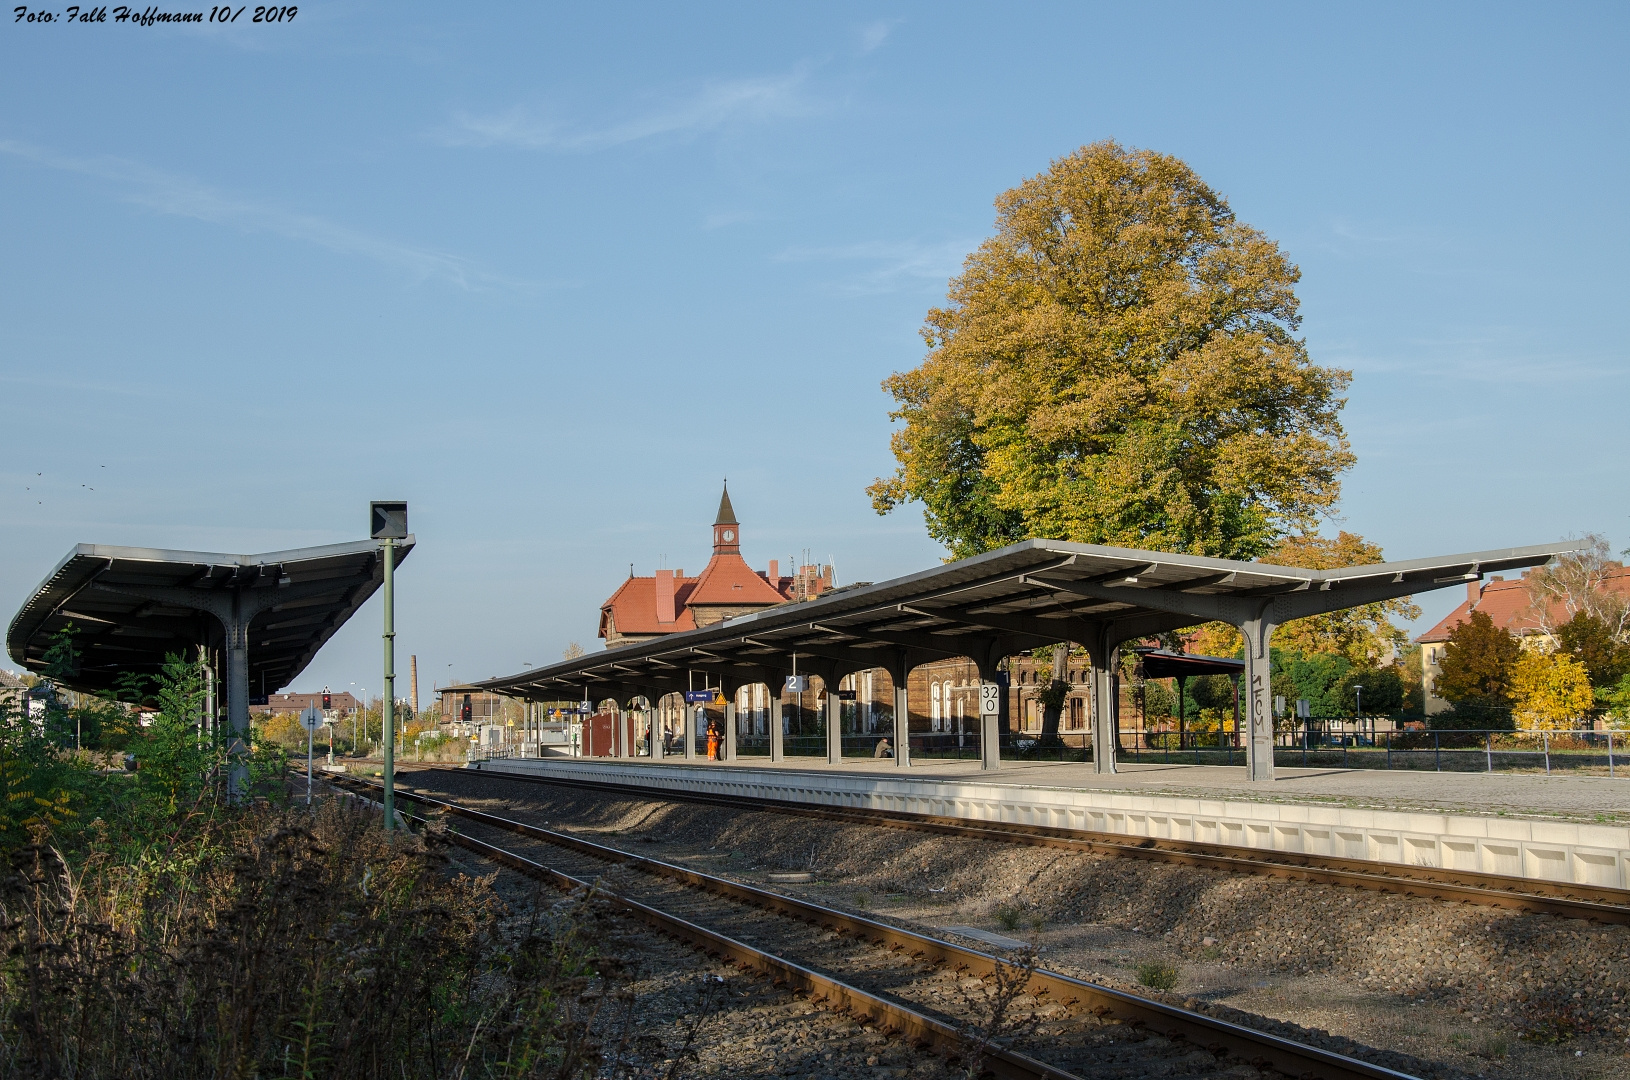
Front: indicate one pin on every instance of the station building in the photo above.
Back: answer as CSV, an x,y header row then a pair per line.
x,y
943,694
668,602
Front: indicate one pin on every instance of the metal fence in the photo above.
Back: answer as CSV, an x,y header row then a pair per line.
x,y
1575,751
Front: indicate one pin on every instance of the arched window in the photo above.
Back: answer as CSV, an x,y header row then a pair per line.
x,y
934,705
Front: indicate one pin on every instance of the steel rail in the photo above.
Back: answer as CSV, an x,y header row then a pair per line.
x,y
1594,903
917,1028
1217,1036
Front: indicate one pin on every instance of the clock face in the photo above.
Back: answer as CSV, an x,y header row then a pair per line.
x,y
729,535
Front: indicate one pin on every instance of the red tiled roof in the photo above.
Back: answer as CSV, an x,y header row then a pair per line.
x,y
1506,603
729,580
633,607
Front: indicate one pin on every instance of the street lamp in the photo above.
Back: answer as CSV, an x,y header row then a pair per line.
x,y
362,698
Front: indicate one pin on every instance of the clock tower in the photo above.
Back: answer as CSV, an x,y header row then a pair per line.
x,y
726,531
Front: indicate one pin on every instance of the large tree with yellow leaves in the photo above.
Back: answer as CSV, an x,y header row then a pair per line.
x,y
1118,364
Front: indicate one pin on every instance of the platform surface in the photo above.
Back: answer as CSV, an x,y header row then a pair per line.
x,y
1565,797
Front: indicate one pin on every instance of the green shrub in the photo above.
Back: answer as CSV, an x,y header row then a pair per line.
x,y
1157,976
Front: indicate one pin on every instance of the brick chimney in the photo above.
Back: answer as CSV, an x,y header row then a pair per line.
x,y
774,577
1474,593
665,597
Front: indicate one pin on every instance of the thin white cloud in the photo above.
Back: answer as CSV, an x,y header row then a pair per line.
x,y
872,35
889,264
33,380
1498,357
181,196
720,219
713,106
1371,236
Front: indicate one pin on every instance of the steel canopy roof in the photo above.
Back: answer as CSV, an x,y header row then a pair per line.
x,y
1033,593
321,587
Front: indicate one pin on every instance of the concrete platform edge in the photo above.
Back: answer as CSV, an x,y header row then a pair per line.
x,y
1585,854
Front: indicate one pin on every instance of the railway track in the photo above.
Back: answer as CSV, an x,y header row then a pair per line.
x,y
905,981
1563,899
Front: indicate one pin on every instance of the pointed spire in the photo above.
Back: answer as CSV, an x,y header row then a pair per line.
x,y
727,514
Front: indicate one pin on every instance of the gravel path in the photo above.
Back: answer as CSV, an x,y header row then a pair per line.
x,y
1486,991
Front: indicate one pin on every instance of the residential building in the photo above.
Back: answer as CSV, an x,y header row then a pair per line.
x,y
11,689
1509,605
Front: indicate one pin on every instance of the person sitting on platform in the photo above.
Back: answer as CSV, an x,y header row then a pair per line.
x,y
883,749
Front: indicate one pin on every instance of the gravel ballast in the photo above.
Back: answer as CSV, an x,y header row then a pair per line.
x,y
1488,991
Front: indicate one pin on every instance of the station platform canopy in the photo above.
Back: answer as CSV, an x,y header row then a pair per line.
x,y
134,606
987,607
1160,664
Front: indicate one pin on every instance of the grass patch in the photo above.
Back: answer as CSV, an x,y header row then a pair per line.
x,y
221,938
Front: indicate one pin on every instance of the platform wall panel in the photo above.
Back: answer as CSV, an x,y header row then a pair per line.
x,y
1587,854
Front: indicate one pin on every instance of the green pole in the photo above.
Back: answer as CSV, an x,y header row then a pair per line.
x,y
390,684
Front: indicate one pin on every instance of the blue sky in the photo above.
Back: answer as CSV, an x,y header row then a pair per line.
x,y
549,273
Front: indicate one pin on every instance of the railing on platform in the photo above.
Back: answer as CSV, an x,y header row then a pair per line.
x,y
1578,751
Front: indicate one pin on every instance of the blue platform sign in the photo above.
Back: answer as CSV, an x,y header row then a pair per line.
x,y
698,697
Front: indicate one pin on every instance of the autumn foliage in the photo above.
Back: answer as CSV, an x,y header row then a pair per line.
x,y
1477,661
1118,364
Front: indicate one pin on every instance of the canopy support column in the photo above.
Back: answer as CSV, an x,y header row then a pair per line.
x,y
776,722
990,722
900,675
237,699
902,725
235,608
1258,694
729,749
1101,684
831,675
834,725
